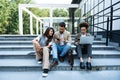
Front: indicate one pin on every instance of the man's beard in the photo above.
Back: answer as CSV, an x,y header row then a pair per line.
x,y
61,32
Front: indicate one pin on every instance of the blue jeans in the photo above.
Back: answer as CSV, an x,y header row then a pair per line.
x,y
61,49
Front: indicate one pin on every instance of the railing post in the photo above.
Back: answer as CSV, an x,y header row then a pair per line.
x,y
41,28
73,20
111,21
51,16
31,25
37,27
107,32
93,25
90,24
20,20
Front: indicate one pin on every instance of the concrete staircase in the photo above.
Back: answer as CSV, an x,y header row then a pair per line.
x,y
18,57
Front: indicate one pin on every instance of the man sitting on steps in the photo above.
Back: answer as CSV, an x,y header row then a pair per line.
x,y
61,45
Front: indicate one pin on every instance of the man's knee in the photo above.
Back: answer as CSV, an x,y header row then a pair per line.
x,y
53,44
68,45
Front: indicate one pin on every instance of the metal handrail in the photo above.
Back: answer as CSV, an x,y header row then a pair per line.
x,y
105,16
100,28
110,19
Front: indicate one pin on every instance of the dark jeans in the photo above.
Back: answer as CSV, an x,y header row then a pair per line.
x,y
84,49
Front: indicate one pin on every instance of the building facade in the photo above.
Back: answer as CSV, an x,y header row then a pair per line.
x,y
102,15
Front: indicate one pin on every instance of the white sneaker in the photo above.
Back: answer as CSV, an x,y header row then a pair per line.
x,y
44,74
39,62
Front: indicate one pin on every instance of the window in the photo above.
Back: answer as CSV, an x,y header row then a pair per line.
x,y
84,8
105,25
96,9
116,13
92,4
107,11
88,5
100,0
92,12
116,24
101,6
115,1
107,3
116,6
96,2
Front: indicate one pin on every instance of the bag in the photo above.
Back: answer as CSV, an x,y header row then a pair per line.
x,y
71,58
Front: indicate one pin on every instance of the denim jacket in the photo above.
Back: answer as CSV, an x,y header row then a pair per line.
x,y
43,40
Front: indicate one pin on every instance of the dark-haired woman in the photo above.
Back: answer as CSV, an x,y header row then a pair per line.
x,y
87,47
42,46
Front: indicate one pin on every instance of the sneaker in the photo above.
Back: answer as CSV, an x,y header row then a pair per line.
x,y
45,73
39,61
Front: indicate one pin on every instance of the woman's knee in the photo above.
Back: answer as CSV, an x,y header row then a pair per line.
x,y
36,48
45,49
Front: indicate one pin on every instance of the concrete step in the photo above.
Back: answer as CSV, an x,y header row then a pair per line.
x,y
21,36
32,65
14,36
24,37
17,39
28,47
31,54
30,42
61,75
15,43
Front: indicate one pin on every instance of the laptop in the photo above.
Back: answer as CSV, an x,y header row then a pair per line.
x,y
86,40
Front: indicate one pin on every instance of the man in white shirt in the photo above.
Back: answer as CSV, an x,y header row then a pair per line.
x,y
61,45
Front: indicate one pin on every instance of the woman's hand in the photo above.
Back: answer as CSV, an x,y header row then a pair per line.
x,y
49,45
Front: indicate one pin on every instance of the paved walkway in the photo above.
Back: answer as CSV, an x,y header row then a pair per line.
x,y
62,75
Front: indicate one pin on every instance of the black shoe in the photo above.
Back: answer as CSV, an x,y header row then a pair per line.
x,y
40,61
61,59
88,65
45,73
82,65
54,63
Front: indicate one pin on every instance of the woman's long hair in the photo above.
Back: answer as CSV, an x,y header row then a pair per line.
x,y
46,34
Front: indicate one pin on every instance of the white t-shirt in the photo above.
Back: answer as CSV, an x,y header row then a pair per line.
x,y
83,35
61,42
